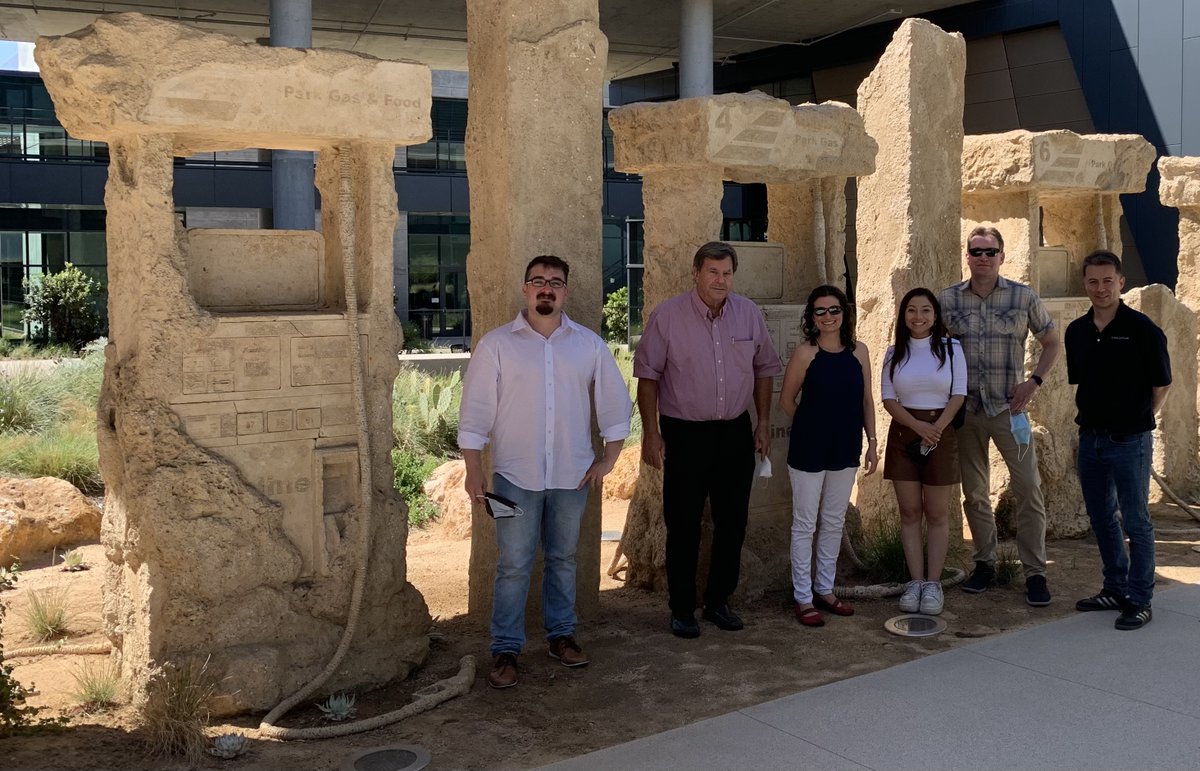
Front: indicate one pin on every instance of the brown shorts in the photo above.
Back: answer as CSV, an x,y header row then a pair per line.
x,y
903,463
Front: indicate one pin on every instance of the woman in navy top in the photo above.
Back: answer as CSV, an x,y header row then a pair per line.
x,y
830,372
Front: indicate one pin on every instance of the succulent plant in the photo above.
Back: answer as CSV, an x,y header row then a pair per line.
x,y
338,706
72,561
228,746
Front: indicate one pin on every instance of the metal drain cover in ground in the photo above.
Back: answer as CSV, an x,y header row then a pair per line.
x,y
915,625
397,757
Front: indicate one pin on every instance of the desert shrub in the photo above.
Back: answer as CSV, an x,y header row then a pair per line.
x,y
176,709
414,341
16,716
61,307
67,452
615,319
95,685
27,402
410,471
47,615
1008,566
882,551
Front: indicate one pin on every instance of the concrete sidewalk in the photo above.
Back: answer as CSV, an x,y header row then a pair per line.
x,y
1069,694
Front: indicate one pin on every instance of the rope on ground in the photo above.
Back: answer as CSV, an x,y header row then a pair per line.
x,y
879,591
81,649
427,698
1171,494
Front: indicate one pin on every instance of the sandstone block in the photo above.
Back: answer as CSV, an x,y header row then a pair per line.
x,y
37,515
215,91
1056,160
1179,181
752,137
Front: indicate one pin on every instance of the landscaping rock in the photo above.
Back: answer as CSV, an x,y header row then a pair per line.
x,y
445,488
620,482
37,515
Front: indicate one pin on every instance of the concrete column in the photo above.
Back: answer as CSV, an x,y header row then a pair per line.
x,y
908,210
695,48
293,190
535,183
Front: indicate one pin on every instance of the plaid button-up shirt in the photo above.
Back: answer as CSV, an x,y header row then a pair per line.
x,y
993,331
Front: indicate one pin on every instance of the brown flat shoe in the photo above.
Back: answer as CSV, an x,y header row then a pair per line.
x,y
566,650
836,607
504,671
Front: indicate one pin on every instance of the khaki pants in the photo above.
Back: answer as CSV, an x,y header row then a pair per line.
x,y
1025,489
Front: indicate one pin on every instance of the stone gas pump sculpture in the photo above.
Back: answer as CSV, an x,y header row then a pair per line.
x,y
684,151
1055,197
245,419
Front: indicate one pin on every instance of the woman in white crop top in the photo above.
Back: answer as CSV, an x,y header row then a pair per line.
x,y
924,384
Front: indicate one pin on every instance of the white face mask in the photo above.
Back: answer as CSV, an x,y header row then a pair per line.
x,y
1022,432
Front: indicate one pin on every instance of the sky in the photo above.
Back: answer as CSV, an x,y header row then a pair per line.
x,y
17,56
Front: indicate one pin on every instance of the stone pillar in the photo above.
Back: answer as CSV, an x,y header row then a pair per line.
x,y
791,218
908,210
683,212
1176,441
293,195
1179,186
534,167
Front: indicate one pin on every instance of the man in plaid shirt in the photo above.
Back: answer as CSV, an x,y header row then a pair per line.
x,y
992,316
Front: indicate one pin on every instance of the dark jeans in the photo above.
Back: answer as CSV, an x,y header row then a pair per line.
x,y
1114,473
713,460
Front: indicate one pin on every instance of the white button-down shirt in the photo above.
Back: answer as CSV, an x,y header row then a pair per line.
x,y
528,395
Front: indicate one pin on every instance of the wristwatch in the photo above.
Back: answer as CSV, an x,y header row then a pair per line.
x,y
1036,379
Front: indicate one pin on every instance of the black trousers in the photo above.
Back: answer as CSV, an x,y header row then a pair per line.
x,y
711,460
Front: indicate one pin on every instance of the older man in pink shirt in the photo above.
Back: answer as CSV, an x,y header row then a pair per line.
x,y
704,358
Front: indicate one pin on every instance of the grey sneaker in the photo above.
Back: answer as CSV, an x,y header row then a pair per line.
x,y
910,601
932,600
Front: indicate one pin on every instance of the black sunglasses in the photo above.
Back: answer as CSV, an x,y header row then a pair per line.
x,y
835,310
978,252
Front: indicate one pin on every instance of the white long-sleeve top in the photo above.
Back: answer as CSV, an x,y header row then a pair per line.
x,y
528,396
919,384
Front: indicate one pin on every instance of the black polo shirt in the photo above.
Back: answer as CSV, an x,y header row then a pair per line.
x,y
1115,369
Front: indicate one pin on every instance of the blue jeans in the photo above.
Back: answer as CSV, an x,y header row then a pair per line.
x,y
552,518
1114,473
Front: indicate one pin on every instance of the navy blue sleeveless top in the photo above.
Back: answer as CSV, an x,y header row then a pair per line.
x,y
827,428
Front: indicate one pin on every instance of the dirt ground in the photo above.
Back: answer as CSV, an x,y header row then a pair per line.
x,y
641,681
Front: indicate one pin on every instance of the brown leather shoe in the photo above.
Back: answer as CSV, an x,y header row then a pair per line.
x,y
566,650
504,671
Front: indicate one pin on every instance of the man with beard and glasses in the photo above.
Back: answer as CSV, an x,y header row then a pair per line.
x,y
530,390
705,357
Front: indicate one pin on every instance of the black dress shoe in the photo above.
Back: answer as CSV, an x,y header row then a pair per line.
x,y
724,618
686,628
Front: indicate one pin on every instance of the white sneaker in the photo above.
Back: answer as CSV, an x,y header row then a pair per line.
x,y
910,601
932,600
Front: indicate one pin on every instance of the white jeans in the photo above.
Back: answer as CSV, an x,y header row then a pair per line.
x,y
824,493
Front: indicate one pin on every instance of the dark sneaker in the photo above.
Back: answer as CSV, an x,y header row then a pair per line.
x,y
686,628
504,671
983,577
1134,617
566,650
723,617
1105,600
1036,593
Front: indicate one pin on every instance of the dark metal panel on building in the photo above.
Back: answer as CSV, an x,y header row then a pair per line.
x,y
93,178
6,189
1191,97
47,182
623,198
425,193
195,186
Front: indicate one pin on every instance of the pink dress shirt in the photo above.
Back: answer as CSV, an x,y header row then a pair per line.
x,y
705,365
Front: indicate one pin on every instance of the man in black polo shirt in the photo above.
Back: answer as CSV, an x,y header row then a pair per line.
x,y
1118,358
